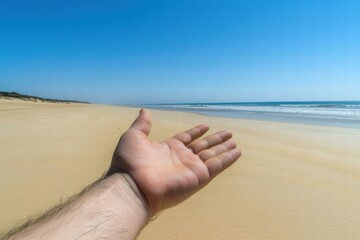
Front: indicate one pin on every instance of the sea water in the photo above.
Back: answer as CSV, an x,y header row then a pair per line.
x,y
329,113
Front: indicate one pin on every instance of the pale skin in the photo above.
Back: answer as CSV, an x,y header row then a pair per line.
x,y
145,178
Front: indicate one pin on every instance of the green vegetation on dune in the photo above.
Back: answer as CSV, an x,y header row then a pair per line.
x,y
15,95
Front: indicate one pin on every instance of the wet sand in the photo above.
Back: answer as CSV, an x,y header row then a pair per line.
x,y
292,182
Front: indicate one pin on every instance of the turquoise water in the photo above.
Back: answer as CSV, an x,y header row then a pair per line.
x,y
329,113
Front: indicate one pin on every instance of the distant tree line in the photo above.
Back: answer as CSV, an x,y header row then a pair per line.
x,y
34,98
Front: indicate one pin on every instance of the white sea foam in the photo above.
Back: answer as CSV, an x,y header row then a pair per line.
x,y
329,111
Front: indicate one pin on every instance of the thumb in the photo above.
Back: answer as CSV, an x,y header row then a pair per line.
x,y
142,122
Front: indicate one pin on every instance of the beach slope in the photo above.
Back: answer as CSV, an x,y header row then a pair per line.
x,y
292,182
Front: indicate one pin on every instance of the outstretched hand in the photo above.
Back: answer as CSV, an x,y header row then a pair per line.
x,y
169,172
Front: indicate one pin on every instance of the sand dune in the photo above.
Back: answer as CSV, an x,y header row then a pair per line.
x,y
292,182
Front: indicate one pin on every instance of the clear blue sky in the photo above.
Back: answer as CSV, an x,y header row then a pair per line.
x,y
151,51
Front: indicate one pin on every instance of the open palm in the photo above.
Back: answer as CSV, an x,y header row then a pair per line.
x,y
171,171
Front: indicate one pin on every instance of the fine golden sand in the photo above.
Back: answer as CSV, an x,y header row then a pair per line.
x,y
292,182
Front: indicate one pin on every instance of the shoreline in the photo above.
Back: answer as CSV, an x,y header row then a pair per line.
x,y
267,118
293,181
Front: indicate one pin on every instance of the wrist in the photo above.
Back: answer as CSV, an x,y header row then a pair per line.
x,y
123,197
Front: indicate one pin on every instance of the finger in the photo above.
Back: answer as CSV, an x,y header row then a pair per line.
x,y
217,150
210,141
219,163
192,134
142,122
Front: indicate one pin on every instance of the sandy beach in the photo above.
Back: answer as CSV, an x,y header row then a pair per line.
x,y
292,182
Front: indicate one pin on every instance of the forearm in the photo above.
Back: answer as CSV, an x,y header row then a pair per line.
x,y
111,209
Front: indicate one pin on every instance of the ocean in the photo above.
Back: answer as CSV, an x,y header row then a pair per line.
x,y
328,113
